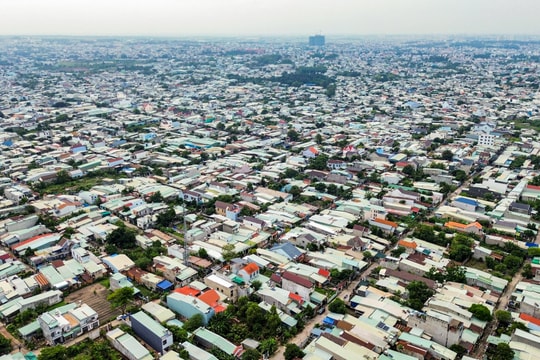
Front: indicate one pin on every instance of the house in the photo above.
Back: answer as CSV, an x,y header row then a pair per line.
x,y
128,346
387,226
254,222
310,153
152,332
118,262
230,211
472,228
196,353
118,280
187,306
223,285
209,339
297,285
249,272
192,196
465,204
115,162
67,322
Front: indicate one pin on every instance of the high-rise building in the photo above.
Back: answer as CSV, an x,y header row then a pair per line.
x,y
316,40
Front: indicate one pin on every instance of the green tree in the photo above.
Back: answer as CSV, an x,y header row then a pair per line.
x,y
503,316
338,306
268,346
458,349
122,237
120,298
166,218
480,312
419,292
319,162
318,139
194,322
292,351
256,285
295,191
228,252
57,352
500,352
409,170
251,354
202,253
293,135
527,271
5,345
156,197
179,334
447,155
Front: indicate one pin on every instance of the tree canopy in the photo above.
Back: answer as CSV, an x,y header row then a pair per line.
x,y
337,306
419,292
480,312
120,298
122,238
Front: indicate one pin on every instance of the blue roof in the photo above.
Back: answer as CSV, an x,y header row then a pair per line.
x,y
164,285
467,201
287,249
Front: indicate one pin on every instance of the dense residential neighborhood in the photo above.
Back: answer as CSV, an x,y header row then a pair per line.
x,y
269,199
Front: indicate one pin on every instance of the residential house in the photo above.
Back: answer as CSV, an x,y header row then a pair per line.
x,y
152,332
128,346
67,322
297,285
249,272
187,306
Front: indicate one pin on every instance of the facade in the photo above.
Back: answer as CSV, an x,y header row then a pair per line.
x,y
67,322
249,272
443,328
222,285
187,306
317,40
152,332
128,346
297,285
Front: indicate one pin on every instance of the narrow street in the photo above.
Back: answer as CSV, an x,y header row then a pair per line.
x,y
15,343
501,305
345,295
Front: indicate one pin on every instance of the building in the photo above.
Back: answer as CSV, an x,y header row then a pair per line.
x,y
128,346
249,272
317,40
152,332
67,322
222,285
187,306
297,285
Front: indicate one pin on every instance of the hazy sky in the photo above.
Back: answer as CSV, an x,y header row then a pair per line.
x,y
268,17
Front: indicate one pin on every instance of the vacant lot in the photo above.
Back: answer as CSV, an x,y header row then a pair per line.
x,y
95,296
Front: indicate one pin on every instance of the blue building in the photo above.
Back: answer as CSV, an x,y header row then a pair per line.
x,y
187,306
152,332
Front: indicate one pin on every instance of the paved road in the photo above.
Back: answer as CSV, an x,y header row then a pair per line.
x,y
501,305
15,343
302,336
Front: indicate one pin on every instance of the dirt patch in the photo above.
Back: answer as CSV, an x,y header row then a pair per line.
x,y
95,296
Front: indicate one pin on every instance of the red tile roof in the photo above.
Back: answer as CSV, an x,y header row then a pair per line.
x,y
250,268
324,273
296,279
186,290
296,298
530,319
210,297
386,222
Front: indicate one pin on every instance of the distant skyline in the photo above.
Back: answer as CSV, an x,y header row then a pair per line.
x,y
269,17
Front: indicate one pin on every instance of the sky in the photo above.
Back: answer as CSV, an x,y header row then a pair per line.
x,y
269,17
